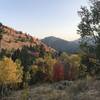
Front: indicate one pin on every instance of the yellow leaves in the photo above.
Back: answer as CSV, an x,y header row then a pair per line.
x,y
75,58
10,72
49,66
34,68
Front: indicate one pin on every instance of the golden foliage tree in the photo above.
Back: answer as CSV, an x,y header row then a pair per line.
x,y
49,64
10,72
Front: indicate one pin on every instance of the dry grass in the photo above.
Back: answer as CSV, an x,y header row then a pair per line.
x,y
79,90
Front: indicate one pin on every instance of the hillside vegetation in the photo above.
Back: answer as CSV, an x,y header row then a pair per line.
x,y
12,39
30,70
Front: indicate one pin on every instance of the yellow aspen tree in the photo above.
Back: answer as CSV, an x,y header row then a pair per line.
x,y
10,72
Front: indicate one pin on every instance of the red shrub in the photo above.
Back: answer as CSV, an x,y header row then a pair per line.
x,y
58,72
63,71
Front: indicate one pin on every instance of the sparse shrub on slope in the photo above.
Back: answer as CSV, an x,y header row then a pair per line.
x,y
1,34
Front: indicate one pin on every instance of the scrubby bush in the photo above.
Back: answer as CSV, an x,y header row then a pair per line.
x,y
33,71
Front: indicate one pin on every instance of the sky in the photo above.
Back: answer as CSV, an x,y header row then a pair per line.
x,y
42,18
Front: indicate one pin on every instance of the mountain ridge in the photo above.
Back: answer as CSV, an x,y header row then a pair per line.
x,y
61,44
13,39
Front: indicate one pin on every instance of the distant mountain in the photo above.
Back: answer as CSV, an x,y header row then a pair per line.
x,y
13,39
62,45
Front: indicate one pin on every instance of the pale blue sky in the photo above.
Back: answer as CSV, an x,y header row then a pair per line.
x,y
42,18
